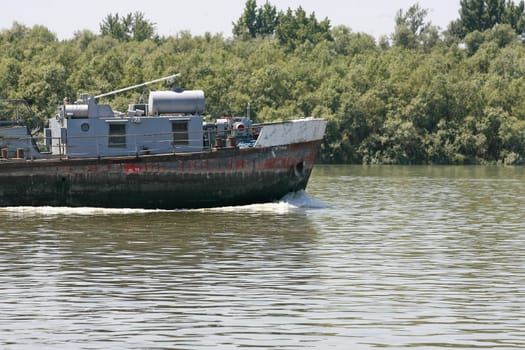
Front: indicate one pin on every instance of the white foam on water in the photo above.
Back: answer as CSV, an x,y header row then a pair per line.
x,y
289,203
67,211
301,199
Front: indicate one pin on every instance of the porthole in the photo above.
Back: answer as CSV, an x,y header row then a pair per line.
x,y
84,127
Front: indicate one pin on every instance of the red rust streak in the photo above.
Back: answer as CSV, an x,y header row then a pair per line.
x,y
132,169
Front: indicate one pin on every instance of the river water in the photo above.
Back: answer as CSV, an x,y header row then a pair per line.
x,y
368,258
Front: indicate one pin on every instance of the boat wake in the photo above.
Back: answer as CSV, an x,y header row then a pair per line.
x,y
289,203
72,211
301,199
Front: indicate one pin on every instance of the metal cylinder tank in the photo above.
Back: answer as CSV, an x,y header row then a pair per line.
x,y
77,111
173,102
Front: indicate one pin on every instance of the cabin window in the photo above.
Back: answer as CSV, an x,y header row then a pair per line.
x,y
179,128
117,135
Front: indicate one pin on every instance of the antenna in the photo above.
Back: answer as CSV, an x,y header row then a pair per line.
x,y
137,86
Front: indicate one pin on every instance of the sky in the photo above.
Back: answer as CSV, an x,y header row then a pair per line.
x,y
64,18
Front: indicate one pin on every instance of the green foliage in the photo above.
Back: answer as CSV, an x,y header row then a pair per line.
x,y
133,26
414,19
412,30
246,26
256,21
296,28
481,15
414,98
292,28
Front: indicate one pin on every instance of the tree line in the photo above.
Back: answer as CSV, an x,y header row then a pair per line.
x,y
422,95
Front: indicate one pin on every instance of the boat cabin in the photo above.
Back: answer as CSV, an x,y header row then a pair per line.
x,y
171,122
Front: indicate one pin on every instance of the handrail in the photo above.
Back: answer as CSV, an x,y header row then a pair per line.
x,y
156,142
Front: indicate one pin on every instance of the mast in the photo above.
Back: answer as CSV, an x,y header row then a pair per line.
x,y
137,86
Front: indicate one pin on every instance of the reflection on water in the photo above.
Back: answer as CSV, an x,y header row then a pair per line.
x,y
386,257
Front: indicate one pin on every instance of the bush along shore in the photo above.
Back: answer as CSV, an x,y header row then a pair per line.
x,y
421,95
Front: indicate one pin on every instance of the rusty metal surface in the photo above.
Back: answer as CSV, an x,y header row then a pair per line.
x,y
172,181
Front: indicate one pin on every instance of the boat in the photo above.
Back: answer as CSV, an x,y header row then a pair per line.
x,y
162,154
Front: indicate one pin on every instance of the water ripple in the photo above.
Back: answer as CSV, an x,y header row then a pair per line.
x,y
392,257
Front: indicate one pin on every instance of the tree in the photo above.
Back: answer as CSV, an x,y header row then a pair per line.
x,y
267,20
412,28
114,27
141,28
422,99
246,26
290,28
482,15
133,26
414,19
10,70
296,28
255,21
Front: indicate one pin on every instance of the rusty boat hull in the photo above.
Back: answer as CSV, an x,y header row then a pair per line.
x,y
225,177
166,154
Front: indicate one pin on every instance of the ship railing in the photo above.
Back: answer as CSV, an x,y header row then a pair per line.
x,y
129,144
16,145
